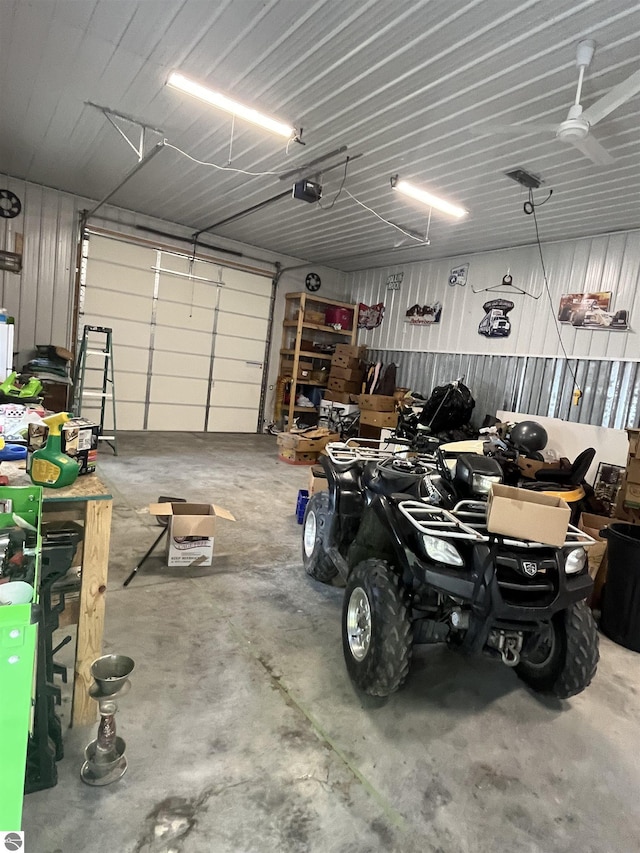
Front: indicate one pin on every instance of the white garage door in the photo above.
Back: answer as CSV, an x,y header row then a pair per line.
x,y
188,337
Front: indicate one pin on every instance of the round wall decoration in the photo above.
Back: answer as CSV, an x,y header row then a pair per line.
x,y
10,204
312,282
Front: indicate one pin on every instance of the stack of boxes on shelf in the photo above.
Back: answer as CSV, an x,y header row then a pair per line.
x,y
346,374
628,504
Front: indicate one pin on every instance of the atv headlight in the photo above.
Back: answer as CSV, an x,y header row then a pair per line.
x,y
481,483
575,561
441,551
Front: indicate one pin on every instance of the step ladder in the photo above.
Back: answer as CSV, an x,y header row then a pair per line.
x,y
103,350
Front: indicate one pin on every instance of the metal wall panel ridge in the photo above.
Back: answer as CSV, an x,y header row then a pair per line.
x,y
534,385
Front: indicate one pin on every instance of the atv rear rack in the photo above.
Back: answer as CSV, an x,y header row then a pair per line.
x,y
468,520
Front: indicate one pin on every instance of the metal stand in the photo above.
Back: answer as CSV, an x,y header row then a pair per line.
x,y
145,558
105,761
164,523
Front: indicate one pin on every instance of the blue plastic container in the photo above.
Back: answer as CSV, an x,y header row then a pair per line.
x,y
13,452
303,500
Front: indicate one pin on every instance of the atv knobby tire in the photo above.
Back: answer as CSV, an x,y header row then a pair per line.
x,y
316,517
573,655
377,637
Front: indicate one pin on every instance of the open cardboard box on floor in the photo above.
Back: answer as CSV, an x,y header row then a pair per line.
x,y
311,440
192,529
529,515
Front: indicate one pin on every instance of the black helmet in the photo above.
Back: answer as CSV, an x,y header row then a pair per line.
x,y
529,436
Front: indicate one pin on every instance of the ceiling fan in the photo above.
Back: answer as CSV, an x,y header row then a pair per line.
x,y
576,128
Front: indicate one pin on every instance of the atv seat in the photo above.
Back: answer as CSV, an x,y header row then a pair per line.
x,y
387,482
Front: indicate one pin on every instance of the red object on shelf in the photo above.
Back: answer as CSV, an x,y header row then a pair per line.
x,y
342,317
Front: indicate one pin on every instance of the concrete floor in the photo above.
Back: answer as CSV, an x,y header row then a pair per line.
x,y
244,733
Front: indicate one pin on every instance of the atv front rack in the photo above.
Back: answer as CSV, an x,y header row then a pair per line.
x,y
372,450
468,520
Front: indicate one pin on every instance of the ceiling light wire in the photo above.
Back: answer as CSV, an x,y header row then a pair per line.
x,y
386,221
337,195
532,207
216,166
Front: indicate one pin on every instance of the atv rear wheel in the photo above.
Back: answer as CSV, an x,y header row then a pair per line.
x,y
564,659
314,558
377,638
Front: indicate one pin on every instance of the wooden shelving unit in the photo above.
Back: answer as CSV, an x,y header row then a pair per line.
x,y
298,326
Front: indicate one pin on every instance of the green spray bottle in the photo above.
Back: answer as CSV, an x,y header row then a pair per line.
x,y
49,465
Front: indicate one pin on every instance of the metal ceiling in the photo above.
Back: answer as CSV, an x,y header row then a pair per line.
x,y
397,82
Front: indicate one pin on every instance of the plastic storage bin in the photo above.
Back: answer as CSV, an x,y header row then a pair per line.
x,y
18,634
621,602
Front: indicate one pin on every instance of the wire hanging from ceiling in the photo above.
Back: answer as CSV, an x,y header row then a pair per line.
x,y
216,166
386,221
338,194
530,209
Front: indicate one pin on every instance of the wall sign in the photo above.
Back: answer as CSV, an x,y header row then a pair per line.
x,y
424,315
592,311
394,280
458,275
370,316
495,323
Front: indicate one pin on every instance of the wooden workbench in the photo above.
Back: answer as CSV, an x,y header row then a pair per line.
x,y
87,500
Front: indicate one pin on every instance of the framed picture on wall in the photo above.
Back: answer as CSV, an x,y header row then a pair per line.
x,y
608,481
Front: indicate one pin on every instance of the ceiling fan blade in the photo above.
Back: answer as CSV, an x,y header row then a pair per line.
x,y
612,100
592,149
511,129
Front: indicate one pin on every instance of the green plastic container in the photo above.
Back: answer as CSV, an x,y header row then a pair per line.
x,y
18,634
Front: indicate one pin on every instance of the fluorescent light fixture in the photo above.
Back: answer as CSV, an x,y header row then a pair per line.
x,y
216,99
424,197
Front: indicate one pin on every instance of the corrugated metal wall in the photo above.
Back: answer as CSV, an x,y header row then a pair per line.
x,y
525,371
608,262
538,386
39,298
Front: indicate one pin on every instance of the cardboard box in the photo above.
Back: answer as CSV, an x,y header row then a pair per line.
x,y
632,495
297,457
339,397
633,470
192,529
592,525
526,514
316,318
78,439
348,356
317,480
345,362
350,351
351,374
308,441
388,420
305,369
623,512
344,385
634,442
376,403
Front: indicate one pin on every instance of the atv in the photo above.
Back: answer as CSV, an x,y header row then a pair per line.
x,y
408,536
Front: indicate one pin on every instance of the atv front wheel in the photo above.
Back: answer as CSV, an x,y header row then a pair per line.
x,y
562,659
377,638
314,558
